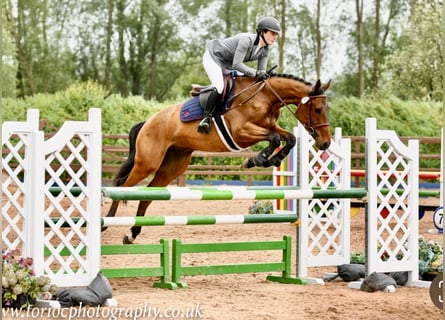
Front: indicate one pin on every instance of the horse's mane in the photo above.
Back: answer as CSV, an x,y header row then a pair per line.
x,y
291,76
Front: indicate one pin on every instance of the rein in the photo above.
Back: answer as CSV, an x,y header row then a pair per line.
x,y
251,96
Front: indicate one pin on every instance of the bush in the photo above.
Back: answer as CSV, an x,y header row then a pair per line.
x,y
261,207
70,104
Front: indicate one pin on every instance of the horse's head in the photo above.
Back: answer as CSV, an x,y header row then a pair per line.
x,y
312,112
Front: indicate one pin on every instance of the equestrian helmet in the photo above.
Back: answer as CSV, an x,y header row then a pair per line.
x,y
269,23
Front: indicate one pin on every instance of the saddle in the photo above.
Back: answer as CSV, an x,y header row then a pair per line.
x,y
229,80
191,110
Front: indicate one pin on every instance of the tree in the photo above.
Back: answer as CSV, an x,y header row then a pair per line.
x,y
122,79
318,54
282,38
414,71
382,39
308,40
109,35
300,58
42,65
359,43
375,35
9,61
153,48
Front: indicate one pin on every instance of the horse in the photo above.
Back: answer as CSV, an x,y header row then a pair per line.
x,y
163,145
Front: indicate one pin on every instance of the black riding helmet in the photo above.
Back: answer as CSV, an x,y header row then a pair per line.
x,y
268,23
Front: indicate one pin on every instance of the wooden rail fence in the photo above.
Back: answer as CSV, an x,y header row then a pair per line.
x,y
204,165
207,165
210,166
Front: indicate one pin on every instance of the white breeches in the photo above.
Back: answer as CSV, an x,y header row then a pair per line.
x,y
214,72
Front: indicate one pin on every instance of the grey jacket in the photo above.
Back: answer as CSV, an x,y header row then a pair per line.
x,y
232,52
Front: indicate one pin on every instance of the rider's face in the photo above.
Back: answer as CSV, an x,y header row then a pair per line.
x,y
270,36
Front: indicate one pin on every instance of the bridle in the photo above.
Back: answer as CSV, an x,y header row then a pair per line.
x,y
305,101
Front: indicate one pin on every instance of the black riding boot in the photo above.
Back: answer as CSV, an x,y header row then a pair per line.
x,y
209,100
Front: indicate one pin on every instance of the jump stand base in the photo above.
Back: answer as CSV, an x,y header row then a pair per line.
x,y
287,280
317,281
165,285
279,279
182,285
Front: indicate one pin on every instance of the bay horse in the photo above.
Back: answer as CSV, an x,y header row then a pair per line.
x,y
162,146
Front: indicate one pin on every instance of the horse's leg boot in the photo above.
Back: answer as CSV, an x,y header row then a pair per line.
x,y
209,100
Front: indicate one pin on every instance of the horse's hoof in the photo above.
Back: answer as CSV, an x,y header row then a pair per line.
x,y
103,229
248,163
276,163
127,240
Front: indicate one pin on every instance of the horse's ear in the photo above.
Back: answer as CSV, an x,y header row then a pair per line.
x,y
327,85
316,86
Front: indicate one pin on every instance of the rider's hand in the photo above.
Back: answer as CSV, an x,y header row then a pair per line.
x,y
261,75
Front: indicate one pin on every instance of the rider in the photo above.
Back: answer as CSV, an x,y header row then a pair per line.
x,y
225,55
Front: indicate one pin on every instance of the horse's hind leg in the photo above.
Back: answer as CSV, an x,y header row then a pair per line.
x,y
175,163
127,167
136,230
135,175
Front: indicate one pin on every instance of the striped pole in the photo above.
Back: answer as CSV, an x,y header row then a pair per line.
x,y
422,174
196,220
226,193
181,220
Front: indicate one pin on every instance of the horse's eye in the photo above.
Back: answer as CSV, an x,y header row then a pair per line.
x,y
318,110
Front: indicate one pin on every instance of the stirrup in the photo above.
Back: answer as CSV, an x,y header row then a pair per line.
x,y
204,125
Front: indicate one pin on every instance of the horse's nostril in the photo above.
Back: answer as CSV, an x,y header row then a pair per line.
x,y
324,146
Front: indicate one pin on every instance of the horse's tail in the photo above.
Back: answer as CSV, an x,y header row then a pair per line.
x,y
128,165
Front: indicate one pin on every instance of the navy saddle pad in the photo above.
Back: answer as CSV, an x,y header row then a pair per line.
x,y
191,110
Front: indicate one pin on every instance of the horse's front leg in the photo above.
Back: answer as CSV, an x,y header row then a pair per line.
x,y
276,159
262,158
289,142
265,157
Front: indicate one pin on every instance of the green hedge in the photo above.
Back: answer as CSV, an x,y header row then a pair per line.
x,y
407,118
